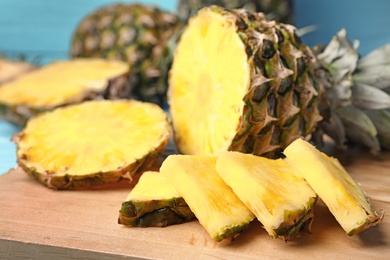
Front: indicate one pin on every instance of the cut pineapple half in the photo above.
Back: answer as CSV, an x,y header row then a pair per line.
x,y
11,69
93,143
342,195
240,82
213,87
61,83
154,202
282,202
214,204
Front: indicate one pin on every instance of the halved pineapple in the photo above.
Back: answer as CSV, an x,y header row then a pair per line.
x,y
341,194
282,202
214,204
154,202
62,83
93,143
240,82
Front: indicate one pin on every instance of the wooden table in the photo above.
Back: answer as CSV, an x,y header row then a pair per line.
x,y
36,222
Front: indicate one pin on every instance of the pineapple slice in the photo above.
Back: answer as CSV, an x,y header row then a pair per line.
x,y
214,204
62,83
282,202
342,195
154,202
93,143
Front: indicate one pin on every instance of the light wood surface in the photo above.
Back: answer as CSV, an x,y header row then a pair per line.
x,y
39,223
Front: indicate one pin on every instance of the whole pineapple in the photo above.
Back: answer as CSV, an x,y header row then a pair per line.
x,y
135,33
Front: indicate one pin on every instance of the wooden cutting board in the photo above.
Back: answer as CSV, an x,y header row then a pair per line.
x,y
36,222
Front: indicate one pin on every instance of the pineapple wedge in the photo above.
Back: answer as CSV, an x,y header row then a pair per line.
x,y
341,194
62,83
154,202
214,204
92,144
282,202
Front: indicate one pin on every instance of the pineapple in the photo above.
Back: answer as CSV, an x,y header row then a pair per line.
x,y
279,10
62,83
342,195
154,202
10,69
214,204
138,34
281,201
240,82
92,144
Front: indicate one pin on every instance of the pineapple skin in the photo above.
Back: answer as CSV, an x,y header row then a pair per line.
x,y
155,213
142,35
281,103
341,194
18,114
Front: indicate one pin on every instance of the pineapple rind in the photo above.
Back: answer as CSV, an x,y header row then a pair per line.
x,y
251,177
214,204
342,195
155,213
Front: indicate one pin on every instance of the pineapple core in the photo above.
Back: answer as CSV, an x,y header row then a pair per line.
x,y
61,82
219,79
341,194
92,137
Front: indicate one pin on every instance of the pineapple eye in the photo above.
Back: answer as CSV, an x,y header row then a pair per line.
x,y
268,50
285,85
301,67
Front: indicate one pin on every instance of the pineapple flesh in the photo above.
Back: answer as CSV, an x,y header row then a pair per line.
x,y
92,144
240,82
154,202
214,204
281,201
341,194
62,83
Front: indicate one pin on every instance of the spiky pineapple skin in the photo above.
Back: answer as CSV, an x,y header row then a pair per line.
x,y
141,35
281,100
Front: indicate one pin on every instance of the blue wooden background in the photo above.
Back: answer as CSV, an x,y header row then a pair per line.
x,y
41,30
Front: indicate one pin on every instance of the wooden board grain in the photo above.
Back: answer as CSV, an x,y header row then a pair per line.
x,y
36,222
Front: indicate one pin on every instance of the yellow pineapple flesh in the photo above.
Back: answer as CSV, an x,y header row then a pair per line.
x,y
214,203
213,87
342,195
93,143
282,202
